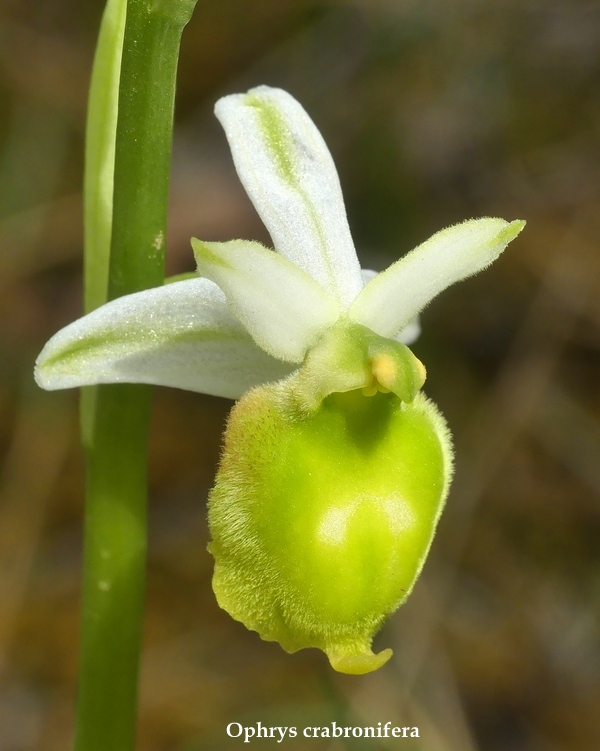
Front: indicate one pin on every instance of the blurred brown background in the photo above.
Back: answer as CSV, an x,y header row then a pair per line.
x,y
435,112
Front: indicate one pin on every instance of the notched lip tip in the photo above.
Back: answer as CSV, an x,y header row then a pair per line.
x,y
359,664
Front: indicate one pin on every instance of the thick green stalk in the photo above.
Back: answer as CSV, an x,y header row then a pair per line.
x,y
144,135
117,429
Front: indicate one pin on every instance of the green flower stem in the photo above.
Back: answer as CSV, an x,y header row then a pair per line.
x,y
114,570
116,418
143,146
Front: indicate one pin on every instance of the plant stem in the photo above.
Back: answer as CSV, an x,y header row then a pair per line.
x,y
114,570
116,426
143,147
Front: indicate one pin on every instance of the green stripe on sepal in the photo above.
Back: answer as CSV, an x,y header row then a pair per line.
x,y
289,175
277,136
181,335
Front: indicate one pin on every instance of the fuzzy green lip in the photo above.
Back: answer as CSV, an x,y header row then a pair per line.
x,y
321,521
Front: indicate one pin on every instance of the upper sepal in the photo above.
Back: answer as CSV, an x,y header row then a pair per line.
x,y
287,170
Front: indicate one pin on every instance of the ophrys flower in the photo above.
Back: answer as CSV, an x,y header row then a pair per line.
x,y
335,467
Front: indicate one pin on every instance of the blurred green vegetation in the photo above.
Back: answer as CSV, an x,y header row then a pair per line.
x,y
435,112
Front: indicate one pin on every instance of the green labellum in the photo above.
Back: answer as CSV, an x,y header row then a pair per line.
x,y
321,520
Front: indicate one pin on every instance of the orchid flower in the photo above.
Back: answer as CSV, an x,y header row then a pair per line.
x,y
335,468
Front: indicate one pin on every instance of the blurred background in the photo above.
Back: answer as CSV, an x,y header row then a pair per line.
x,y
435,112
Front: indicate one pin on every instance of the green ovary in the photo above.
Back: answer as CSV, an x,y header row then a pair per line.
x,y
321,522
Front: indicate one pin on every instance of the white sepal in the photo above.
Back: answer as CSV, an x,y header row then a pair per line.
x,y
394,297
181,335
287,170
409,333
412,331
282,307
